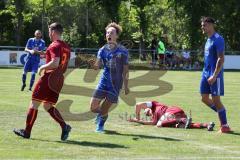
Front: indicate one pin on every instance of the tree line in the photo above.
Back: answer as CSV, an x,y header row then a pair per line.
x,y
176,22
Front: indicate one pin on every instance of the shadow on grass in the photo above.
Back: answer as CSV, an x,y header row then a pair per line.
x,y
93,144
234,133
85,143
138,136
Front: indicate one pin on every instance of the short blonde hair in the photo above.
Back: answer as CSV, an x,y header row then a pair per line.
x,y
116,26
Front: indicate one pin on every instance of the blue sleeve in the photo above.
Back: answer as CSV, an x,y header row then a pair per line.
x,y
220,46
42,46
99,54
29,44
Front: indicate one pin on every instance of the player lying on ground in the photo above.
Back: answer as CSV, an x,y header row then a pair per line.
x,y
166,116
34,47
114,58
50,84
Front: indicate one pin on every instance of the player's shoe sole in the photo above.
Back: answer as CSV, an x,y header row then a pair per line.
x,y
21,133
65,132
23,87
210,126
188,123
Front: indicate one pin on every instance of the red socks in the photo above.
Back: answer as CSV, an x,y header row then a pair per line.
x,y
31,117
55,114
198,125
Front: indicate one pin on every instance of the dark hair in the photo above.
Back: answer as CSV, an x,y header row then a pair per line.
x,y
57,27
208,20
116,26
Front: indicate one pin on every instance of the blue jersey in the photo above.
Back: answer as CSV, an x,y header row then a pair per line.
x,y
213,47
113,63
38,45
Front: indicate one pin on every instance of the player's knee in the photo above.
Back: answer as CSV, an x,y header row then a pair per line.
x,y
94,107
47,106
33,75
205,99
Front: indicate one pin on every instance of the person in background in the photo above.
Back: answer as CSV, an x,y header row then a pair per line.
x,y
34,47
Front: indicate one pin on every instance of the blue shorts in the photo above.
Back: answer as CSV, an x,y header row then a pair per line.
x,y
102,92
216,89
31,66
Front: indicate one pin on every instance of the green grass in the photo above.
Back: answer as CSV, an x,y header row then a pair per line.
x,y
123,140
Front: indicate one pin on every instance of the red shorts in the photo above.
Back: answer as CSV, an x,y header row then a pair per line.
x,y
176,111
173,115
48,88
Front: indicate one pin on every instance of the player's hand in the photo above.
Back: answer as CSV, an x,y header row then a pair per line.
x,y
41,52
36,51
40,70
92,63
126,90
211,80
32,51
133,120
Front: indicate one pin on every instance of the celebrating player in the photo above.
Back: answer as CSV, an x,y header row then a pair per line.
x,y
114,58
49,85
212,76
34,47
166,116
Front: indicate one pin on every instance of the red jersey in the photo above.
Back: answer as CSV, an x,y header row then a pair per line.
x,y
158,109
59,49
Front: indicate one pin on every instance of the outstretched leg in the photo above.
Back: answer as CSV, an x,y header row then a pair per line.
x,y
31,117
24,77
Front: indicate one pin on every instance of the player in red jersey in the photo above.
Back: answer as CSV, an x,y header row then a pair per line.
x,y
166,116
50,84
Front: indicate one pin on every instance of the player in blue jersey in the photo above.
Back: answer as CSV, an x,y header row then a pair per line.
x,y
34,47
212,75
114,59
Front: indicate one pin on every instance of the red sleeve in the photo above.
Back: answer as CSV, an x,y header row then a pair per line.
x,y
55,51
154,103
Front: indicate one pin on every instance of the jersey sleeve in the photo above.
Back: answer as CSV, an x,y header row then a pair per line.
x,y
149,104
29,44
154,103
55,51
42,47
99,54
220,46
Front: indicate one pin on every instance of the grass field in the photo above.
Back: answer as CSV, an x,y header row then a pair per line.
x,y
122,140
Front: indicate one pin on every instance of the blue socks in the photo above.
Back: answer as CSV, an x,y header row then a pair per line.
x,y
100,122
32,80
24,77
222,116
